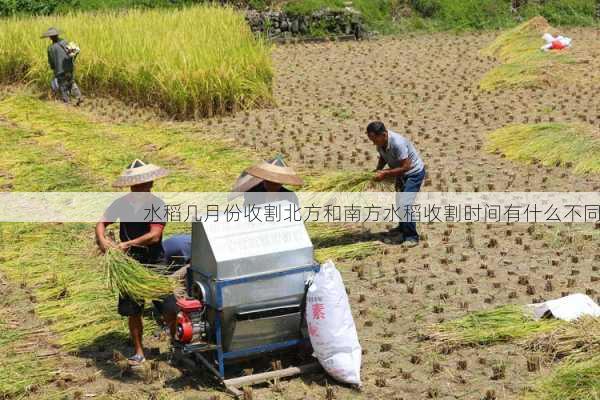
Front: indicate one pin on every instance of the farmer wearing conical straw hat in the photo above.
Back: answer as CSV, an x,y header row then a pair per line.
x,y
260,182
61,58
406,166
141,240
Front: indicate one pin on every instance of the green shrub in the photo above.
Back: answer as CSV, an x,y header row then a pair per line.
x,y
36,7
563,12
427,8
306,7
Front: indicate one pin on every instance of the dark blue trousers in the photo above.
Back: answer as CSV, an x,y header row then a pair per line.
x,y
407,187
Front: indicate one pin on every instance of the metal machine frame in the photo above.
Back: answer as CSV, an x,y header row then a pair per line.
x,y
222,356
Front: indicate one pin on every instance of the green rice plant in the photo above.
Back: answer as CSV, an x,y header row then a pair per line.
x,y
128,278
199,61
573,145
347,182
502,324
523,64
570,381
576,341
352,251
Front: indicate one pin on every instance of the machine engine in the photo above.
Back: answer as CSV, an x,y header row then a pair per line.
x,y
191,323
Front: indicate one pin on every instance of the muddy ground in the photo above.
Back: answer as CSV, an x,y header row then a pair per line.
x,y
424,86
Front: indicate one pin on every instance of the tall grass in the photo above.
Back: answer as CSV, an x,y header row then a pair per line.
x,y
574,146
196,61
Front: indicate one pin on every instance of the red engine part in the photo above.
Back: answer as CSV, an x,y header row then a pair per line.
x,y
185,325
185,329
189,305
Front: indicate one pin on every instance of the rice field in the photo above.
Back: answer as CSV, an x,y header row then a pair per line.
x,y
457,271
198,61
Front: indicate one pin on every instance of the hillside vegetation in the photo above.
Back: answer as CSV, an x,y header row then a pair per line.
x,y
383,15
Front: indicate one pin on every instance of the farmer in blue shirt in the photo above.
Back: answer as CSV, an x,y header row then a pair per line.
x,y
406,166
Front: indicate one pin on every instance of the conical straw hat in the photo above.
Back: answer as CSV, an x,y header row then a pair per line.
x,y
50,32
275,173
139,172
247,181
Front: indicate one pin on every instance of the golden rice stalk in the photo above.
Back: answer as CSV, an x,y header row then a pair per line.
x,y
129,278
353,251
348,182
578,340
571,145
570,381
502,324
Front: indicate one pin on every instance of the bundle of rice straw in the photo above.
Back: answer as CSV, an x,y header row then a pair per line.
x,y
353,251
502,324
130,278
579,340
326,235
348,182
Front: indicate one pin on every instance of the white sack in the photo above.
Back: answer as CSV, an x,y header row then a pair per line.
x,y
567,308
331,326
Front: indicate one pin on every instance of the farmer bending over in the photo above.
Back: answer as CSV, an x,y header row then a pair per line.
x,y
406,166
62,61
140,240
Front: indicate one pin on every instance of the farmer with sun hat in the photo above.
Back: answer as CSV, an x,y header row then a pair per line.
x,y
140,239
260,181
61,58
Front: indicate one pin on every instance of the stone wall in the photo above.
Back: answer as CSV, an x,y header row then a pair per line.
x,y
347,23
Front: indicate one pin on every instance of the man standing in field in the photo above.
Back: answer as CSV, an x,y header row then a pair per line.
x,y
141,240
61,58
406,166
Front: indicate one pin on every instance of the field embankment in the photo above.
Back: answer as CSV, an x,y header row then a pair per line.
x,y
198,61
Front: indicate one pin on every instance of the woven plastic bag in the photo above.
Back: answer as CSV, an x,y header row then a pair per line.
x,y
331,327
